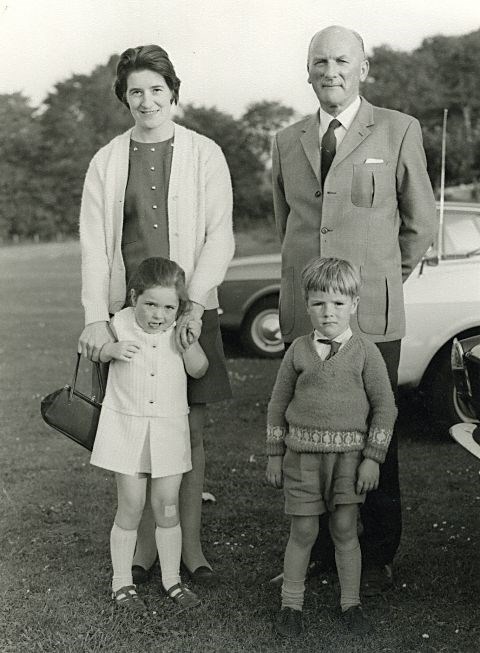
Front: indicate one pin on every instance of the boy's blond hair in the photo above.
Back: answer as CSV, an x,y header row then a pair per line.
x,y
330,275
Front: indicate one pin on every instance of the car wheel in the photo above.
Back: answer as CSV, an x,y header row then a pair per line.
x,y
260,332
441,398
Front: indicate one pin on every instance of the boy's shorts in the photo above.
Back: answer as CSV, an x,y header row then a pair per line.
x,y
315,483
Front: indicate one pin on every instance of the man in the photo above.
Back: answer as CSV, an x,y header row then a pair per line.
x,y
360,191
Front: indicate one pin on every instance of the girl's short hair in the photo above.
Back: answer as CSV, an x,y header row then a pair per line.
x,y
330,275
145,57
158,271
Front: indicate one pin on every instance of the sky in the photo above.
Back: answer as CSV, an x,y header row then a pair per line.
x,y
228,53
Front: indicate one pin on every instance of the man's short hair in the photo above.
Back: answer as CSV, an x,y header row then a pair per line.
x,y
355,34
330,275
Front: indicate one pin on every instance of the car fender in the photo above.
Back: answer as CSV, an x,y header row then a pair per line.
x,y
418,353
272,289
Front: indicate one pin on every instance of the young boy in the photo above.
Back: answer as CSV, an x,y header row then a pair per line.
x,y
330,421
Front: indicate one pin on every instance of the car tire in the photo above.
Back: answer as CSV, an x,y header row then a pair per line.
x,y
260,331
441,400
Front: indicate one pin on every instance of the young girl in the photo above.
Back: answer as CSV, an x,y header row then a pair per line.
x,y
143,427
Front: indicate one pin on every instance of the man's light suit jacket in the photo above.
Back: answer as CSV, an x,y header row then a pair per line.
x,y
377,210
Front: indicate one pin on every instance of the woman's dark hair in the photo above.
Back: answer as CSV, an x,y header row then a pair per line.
x,y
158,271
145,57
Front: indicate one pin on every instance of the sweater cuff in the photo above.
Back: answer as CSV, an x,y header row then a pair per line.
x,y
377,443
276,440
96,313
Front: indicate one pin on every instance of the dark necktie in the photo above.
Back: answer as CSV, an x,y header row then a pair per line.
x,y
328,149
334,346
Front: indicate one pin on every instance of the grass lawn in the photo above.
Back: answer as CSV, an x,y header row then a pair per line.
x,y
56,512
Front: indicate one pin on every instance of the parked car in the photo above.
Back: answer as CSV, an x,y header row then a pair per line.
x,y
442,301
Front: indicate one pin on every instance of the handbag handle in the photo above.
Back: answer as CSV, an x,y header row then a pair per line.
x,y
75,374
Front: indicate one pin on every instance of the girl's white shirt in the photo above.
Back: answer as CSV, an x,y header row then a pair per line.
x,y
154,382
199,221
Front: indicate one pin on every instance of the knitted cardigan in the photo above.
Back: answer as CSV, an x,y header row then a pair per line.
x,y
337,405
199,221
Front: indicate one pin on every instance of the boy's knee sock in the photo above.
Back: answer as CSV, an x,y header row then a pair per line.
x,y
122,546
349,568
293,592
169,545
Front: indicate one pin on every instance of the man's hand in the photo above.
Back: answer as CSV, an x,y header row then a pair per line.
x,y
274,474
368,476
92,339
189,327
124,350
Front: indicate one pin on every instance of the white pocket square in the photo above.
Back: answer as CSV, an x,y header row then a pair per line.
x,y
374,161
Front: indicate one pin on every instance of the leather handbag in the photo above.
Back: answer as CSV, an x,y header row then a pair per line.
x,y
72,413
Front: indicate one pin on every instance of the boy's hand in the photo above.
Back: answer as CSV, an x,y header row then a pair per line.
x,y
368,476
274,473
124,350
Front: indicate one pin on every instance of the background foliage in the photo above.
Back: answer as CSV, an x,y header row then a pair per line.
x,y
46,150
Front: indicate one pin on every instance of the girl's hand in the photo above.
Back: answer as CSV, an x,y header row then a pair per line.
x,y
92,339
193,331
189,327
368,476
274,474
124,350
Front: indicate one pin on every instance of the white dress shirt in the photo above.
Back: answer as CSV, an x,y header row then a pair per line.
x,y
345,118
322,348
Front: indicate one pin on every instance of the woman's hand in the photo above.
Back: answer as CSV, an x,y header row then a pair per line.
x,y
368,476
274,474
92,339
189,327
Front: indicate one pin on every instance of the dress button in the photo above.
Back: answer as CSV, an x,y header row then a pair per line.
x,y
324,230
152,149
155,226
151,401
152,374
154,206
154,346
135,149
318,193
154,188
152,167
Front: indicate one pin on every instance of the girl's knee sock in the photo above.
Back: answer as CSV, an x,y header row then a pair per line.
x,y
169,545
146,549
293,592
349,568
122,546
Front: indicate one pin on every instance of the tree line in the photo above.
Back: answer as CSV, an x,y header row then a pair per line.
x,y
46,149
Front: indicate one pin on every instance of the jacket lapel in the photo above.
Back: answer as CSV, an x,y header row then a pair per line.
x,y
311,145
356,134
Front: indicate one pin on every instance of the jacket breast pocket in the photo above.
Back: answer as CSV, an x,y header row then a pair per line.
x,y
370,184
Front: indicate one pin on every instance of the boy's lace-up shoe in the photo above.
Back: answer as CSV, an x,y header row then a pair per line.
x,y
289,623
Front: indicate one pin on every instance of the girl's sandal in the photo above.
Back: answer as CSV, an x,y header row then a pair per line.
x,y
183,596
127,597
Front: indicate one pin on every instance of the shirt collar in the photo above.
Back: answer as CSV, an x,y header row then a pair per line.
x,y
345,117
341,338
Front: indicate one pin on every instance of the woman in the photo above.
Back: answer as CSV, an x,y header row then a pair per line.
x,y
159,189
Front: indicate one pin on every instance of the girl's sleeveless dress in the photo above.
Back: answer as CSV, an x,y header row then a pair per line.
x,y
143,426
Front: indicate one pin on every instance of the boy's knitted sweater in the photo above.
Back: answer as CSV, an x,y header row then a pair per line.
x,y
337,405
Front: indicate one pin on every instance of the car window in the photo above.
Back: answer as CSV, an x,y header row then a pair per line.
x,y
461,232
